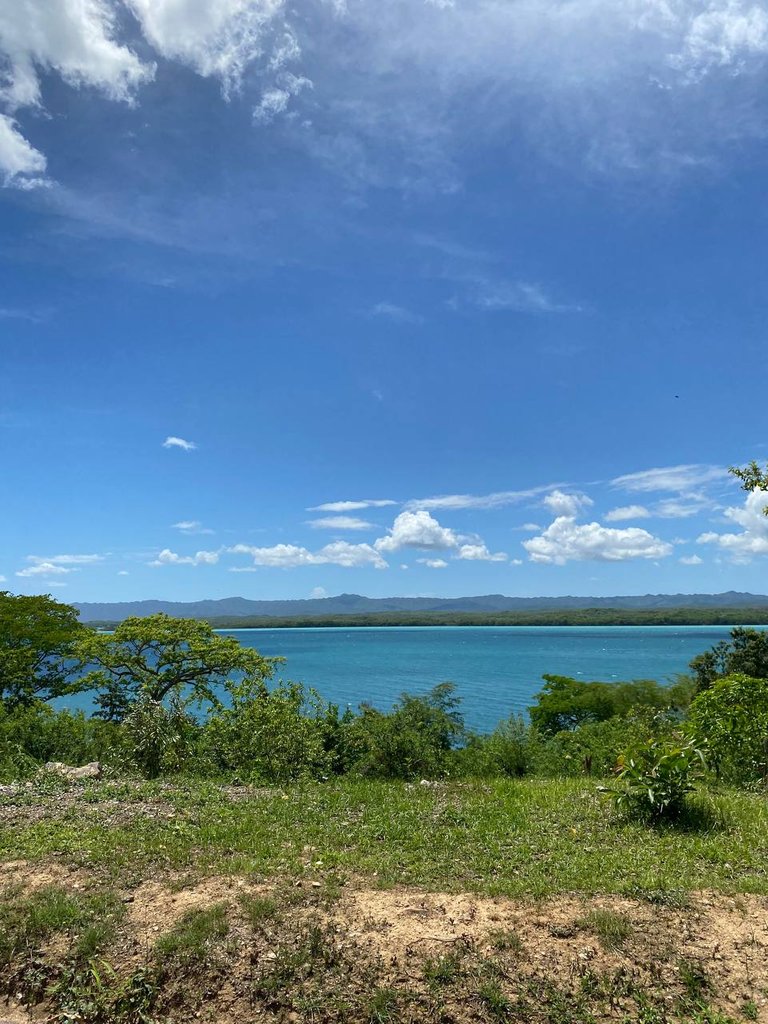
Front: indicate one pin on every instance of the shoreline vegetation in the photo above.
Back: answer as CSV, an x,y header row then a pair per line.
x,y
572,617
270,859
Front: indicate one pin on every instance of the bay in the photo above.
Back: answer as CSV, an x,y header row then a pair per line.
x,y
496,669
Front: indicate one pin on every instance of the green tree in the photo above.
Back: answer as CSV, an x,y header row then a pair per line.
x,y
37,639
158,656
746,653
731,719
752,478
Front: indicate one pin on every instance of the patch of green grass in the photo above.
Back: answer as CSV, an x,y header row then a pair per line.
x,y
749,1010
504,939
443,970
258,910
611,928
382,1008
193,936
518,838
27,921
493,999
694,980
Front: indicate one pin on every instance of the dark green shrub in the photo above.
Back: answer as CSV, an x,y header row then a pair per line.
x,y
731,718
273,735
415,739
512,749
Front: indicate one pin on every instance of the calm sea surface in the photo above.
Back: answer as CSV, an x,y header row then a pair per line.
x,y
497,669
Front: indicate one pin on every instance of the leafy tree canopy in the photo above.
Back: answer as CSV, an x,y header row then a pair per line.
x,y
159,655
37,637
746,653
565,703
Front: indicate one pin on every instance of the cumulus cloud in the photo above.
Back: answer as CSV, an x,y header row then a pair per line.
x,y
617,515
290,556
690,560
417,530
561,503
340,523
480,553
351,506
670,478
753,538
45,569
433,563
179,442
565,540
168,557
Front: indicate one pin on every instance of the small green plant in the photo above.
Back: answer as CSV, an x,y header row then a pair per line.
x,y
382,1007
192,937
442,970
657,776
749,1010
694,980
257,910
494,1000
612,929
506,940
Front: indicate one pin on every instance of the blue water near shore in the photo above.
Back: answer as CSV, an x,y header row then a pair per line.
x,y
497,669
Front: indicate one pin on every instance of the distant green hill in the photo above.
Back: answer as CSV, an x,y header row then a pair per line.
x,y
728,608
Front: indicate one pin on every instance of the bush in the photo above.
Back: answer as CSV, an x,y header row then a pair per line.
x,y
33,734
564,703
415,739
267,735
157,739
731,717
512,749
657,776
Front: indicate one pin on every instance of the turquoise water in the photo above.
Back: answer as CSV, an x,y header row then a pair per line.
x,y
497,669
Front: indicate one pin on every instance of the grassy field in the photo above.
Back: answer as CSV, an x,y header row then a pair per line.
x,y
534,900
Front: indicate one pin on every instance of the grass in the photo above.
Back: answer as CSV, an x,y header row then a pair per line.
x,y
611,928
193,936
527,838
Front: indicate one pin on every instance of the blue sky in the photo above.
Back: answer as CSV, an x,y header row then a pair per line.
x,y
430,297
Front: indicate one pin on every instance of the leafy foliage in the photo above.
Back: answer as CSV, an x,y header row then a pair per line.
x,y
732,717
37,635
657,776
566,703
161,655
746,653
415,738
269,735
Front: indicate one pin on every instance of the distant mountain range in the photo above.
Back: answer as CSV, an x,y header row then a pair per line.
x,y
354,604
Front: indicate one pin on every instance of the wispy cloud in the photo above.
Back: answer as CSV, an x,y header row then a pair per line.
x,y
190,527
399,314
352,506
498,499
340,523
682,478
624,512
179,442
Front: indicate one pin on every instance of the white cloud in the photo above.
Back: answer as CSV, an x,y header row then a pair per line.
x,y
123,572
433,563
560,503
617,515
397,313
45,569
179,442
190,527
290,556
351,506
498,499
340,523
753,538
565,540
20,162
690,560
516,561
670,478
417,530
510,296
318,592
480,553
3,579
217,38
168,557
681,508
66,559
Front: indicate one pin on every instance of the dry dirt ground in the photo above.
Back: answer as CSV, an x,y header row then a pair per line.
x,y
298,952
